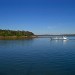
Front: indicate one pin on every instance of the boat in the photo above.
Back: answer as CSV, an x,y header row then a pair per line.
x,y
59,38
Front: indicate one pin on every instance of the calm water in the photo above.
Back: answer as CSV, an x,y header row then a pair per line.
x,y
37,57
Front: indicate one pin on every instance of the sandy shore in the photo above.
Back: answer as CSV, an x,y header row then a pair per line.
x,y
16,37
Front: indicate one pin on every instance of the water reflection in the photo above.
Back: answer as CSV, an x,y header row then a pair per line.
x,y
9,41
65,41
15,43
59,41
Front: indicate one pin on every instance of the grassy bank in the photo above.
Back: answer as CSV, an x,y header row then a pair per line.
x,y
15,37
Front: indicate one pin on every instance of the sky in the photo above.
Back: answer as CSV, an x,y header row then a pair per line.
x,y
38,16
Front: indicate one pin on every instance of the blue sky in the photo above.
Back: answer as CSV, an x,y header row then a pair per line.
x,y
38,16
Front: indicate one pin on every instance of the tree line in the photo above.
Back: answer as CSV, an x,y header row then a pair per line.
x,y
15,33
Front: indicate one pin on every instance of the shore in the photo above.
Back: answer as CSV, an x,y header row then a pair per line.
x,y
16,37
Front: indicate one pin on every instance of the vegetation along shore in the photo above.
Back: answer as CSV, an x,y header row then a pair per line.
x,y
13,34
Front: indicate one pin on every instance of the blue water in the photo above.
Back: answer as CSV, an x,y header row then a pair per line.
x,y
40,56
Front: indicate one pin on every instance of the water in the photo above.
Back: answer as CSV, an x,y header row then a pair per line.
x,y
40,56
